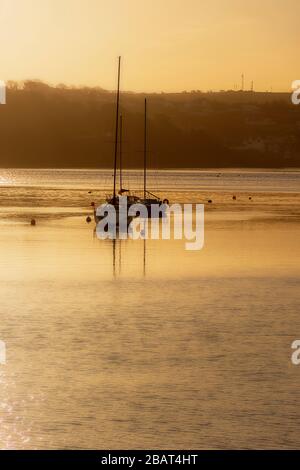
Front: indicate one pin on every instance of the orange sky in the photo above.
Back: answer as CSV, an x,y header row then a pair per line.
x,y
169,45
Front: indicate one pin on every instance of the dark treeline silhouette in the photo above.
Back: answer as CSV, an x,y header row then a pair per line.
x,y
43,126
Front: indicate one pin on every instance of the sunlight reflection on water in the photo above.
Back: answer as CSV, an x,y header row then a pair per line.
x,y
145,345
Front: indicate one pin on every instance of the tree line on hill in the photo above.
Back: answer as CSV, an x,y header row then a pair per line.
x,y
43,126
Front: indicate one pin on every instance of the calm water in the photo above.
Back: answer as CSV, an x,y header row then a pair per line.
x,y
137,344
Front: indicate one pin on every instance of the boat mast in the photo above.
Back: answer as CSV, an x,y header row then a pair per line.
x,y
145,148
121,131
117,129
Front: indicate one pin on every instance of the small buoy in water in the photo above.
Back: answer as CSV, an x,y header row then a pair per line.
x,y
32,222
88,219
209,201
250,198
90,192
234,198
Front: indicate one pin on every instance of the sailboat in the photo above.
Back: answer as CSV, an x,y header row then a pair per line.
x,y
149,199
114,199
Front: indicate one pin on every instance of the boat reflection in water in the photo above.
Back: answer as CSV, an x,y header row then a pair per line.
x,y
116,239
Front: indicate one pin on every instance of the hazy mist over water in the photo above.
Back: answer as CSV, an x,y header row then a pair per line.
x,y
142,344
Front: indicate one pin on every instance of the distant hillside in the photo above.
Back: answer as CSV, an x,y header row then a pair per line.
x,y
44,126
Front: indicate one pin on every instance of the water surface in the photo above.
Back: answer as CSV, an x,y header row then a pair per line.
x,y
142,344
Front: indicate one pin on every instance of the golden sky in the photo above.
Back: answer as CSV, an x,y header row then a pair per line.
x,y
166,45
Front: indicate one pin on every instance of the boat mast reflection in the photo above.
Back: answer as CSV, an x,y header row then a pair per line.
x,y
116,247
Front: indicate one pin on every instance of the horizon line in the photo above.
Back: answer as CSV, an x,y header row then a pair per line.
x,y
61,85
